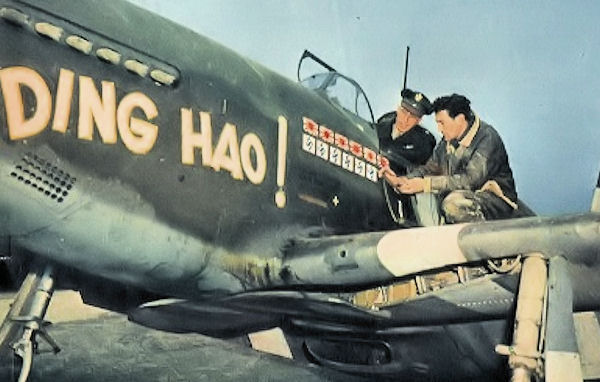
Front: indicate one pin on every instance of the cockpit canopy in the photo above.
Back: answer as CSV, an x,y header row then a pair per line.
x,y
342,91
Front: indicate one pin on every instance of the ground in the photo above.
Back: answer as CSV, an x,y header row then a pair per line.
x,y
102,346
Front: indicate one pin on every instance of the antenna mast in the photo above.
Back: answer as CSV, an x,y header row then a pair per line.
x,y
406,67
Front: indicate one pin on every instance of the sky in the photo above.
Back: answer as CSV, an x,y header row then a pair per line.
x,y
529,68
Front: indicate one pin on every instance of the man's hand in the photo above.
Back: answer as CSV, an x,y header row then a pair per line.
x,y
402,184
410,186
386,172
389,175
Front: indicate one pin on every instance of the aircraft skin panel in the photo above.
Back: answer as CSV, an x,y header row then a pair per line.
x,y
152,154
113,233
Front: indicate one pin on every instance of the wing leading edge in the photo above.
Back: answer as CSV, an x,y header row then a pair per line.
x,y
376,258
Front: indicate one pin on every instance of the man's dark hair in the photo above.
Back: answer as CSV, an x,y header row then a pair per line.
x,y
454,104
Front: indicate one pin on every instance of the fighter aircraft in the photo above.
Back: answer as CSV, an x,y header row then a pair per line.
x,y
164,176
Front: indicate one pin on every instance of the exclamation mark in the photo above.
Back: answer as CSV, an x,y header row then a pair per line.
x,y
280,198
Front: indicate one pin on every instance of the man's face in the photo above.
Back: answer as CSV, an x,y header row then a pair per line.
x,y
451,128
404,120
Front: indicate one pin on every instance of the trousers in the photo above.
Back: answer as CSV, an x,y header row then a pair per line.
x,y
460,206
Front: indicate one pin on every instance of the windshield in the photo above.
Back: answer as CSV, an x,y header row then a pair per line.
x,y
342,91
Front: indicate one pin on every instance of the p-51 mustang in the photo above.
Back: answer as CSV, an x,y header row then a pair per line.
x,y
164,176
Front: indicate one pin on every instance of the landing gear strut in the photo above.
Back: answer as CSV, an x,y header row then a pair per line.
x,y
25,320
544,343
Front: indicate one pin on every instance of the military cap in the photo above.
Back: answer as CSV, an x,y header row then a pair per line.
x,y
416,103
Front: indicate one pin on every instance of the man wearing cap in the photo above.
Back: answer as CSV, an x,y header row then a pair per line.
x,y
405,143
402,139
468,170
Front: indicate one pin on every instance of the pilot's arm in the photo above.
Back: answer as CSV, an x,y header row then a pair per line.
x,y
431,178
481,164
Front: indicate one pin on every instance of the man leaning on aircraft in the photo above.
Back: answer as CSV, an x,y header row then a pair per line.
x,y
469,169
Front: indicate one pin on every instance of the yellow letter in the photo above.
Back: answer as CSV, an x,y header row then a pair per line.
x,y
137,135
228,142
191,140
64,95
18,126
92,108
255,174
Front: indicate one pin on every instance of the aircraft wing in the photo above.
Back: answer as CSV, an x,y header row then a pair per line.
x,y
487,298
422,276
389,338
375,258
408,303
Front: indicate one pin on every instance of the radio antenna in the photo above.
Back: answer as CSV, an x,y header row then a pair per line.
x,y
406,67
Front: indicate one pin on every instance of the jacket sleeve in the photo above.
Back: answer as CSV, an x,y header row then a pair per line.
x,y
476,172
431,167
